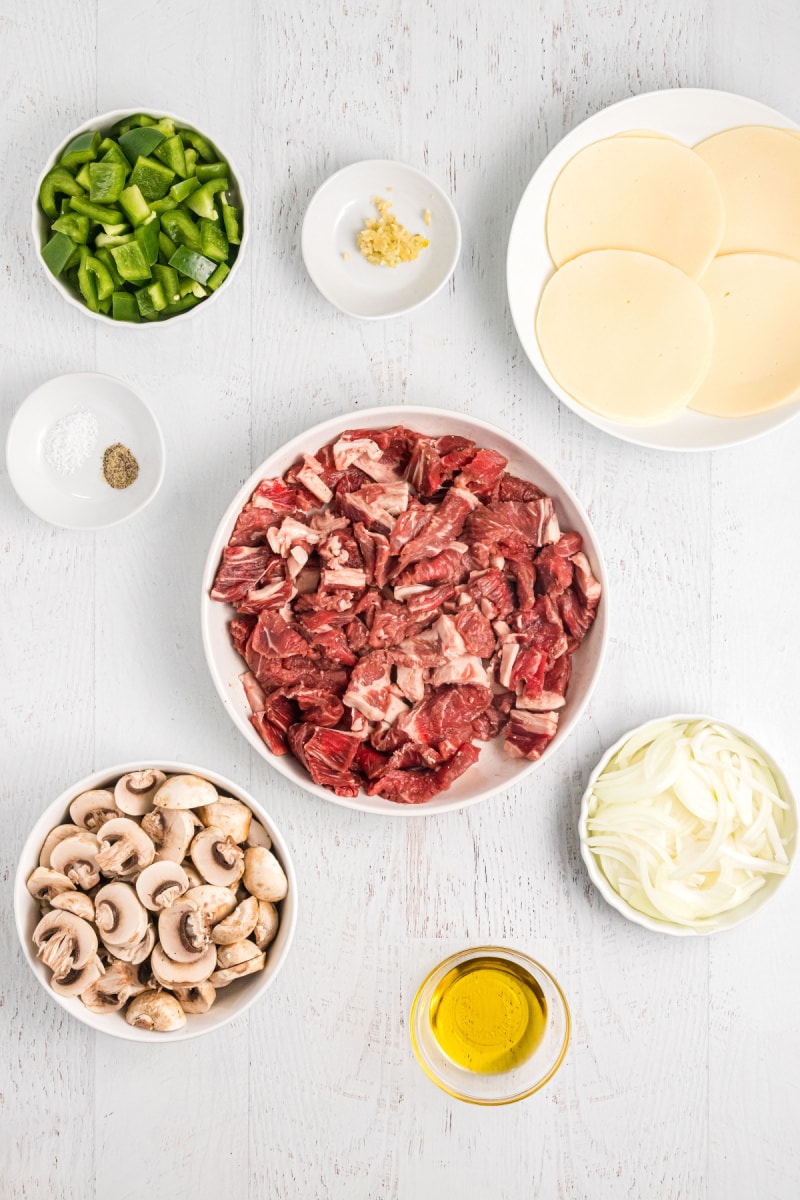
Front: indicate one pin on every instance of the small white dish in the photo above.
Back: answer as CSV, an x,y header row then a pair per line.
x,y
83,499
335,216
726,920
688,114
231,1001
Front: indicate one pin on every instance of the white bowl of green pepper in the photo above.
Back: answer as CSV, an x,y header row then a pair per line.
x,y
139,219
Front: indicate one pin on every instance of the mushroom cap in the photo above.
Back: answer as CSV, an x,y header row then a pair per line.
x,y
53,838
77,980
125,848
161,884
119,915
45,884
229,816
134,792
197,998
264,876
183,931
218,858
215,902
77,858
114,989
75,902
92,809
171,830
258,835
266,925
236,953
155,1010
180,974
228,975
239,924
64,942
135,952
185,791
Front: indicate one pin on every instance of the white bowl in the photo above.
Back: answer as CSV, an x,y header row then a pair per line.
x,y
726,920
83,500
40,223
334,217
232,1000
689,114
495,771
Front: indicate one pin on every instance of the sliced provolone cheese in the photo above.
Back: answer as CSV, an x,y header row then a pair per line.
x,y
755,299
758,171
651,194
626,334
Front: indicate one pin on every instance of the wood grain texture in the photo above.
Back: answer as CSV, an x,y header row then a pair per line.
x,y
681,1081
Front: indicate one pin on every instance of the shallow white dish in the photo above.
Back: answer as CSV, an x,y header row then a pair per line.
x,y
336,214
40,222
726,920
494,771
689,114
232,1000
83,500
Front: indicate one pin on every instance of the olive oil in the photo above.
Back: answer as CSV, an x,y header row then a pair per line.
x,y
488,1015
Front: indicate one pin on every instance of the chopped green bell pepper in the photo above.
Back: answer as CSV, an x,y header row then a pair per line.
x,y
113,239
180,227
168,278
131,263
202,201
135,205
57,252
199,143
232,220
147,237
167,126
104,254
83,177
166,246
191,161
82,149
86,281
74,227
185,302
104,281
96,212
179,191
145,304
106,182
110,152
57,181
213,242
124,307
152,178
220,275
116,230
165,204
137,143
217,170
171,152
193,265
136,121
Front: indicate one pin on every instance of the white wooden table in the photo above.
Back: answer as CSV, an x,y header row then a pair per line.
x,y
682,1076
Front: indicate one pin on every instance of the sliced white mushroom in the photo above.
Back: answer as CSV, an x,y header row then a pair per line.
x,y
181,974
228,975
92,809
44,884
134,792
215,902
264,877
228,815
240,924
75,902
161,884
236,953
192,873
218,858
77,980
120,916
258,835
125,848
185,791
197,998
183,931
77,857
171,830
135,952
266,925
114,989
53,838
65,942
155,1010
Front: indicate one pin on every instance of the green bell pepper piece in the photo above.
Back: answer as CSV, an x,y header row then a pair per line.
x,y
181,305
166,246
124,307
213,242
138,143
171,153
64,207
165,204
106,182
73,262
57,181
217,170
202,201
191,161
135,205
104,281
167,126
147,237
74,227
157,297
83,177
110,152
96,212
131,263
181,229
86,281
113,239
57,252
145,305
136,121
179,191
193,265
232,220
104,305
104,254
220,275
196,140
116,230
168,278
82,149
152,178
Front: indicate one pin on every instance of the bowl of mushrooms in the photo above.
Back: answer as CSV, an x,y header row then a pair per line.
x,y
155,901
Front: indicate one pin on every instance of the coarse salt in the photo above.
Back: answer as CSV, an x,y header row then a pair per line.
x,y
70,441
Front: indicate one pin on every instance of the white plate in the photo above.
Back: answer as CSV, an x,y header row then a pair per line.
x,y
84,500
689,114
232,1000
334,218
494,771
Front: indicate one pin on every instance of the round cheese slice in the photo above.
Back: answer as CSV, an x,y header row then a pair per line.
x,y
758,172
626,334
755,299
651,194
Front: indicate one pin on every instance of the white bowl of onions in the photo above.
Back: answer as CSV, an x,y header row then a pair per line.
x,y
687,825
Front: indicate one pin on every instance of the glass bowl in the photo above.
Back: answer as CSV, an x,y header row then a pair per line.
x,y
508,1086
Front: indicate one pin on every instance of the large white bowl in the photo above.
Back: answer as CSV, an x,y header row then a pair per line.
x,y
40,222
726,920
494,771
232,1000
689,114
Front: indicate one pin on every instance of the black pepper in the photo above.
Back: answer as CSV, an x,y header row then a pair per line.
x,y
120,468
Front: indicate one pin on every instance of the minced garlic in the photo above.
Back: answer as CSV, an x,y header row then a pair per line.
x,y
426,216
385,242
